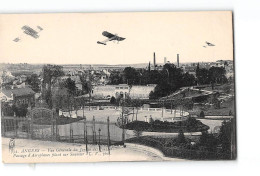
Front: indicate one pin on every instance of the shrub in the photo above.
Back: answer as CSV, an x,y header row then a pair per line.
x,y
202,115
113,100
137,133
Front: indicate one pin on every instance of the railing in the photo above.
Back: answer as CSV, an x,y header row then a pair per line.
x,y
77,132
116,107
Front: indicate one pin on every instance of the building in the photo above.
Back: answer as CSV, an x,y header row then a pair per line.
x,y
103,92
141,92
22,78
18,96
6,77
190,69
123,90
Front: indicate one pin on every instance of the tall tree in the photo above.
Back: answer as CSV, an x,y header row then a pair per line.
x,y
131,76
71,86
50,74
203,76
225,136
116,77
217,75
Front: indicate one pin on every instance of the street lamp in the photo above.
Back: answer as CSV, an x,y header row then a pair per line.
x,y
99,130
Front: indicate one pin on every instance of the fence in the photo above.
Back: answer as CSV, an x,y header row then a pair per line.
x,y
24,127
91,108
81,131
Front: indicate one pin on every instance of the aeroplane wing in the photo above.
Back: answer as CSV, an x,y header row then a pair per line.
x,y
120,38
40,28
29,31
16,39
209,44
105,41
110,37
107,34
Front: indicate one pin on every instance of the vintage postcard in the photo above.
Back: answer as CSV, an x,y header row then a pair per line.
x,y
95,87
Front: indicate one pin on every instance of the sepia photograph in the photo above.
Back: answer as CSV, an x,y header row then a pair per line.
x,y
125,86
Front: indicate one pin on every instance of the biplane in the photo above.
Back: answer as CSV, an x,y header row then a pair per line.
x,y
208,44
29,31
110,37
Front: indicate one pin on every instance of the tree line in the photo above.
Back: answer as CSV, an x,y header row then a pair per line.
x,y
169,79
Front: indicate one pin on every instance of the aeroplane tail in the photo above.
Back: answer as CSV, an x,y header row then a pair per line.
x,y
101,43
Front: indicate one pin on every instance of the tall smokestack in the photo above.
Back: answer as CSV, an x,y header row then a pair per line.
x,y
165,60
178,61
154,60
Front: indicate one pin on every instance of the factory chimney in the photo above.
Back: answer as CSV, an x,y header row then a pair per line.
x,y
154,60
165,60
178,61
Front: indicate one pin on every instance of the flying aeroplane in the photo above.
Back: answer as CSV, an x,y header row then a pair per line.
x,y
29,31
209,44
110,37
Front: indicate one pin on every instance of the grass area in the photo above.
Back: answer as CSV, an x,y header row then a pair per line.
x,y
225,88
172,147
189,125
226,106
224,109
60,121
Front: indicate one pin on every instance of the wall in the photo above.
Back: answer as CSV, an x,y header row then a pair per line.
x,y
141,92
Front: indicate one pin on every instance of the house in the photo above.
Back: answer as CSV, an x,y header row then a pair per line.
x,y
18,96
22,78
190,69
6,77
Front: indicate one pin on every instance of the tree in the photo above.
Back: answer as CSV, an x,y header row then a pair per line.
x,y
169,80
136,104
131,76
225,137
174,74
161,90
202,115
20,110
113,100
86,85
137,133
6,109
216,103
154,77
50,74
34,82
181,138
71,86
217,75
59,97
208,141
202,76
115,77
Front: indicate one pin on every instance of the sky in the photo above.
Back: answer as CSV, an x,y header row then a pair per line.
x,y
71,38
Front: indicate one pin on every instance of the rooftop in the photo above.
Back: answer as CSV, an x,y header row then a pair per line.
x,y
18,91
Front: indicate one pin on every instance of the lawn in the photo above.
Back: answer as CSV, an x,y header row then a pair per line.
x,y
224,109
